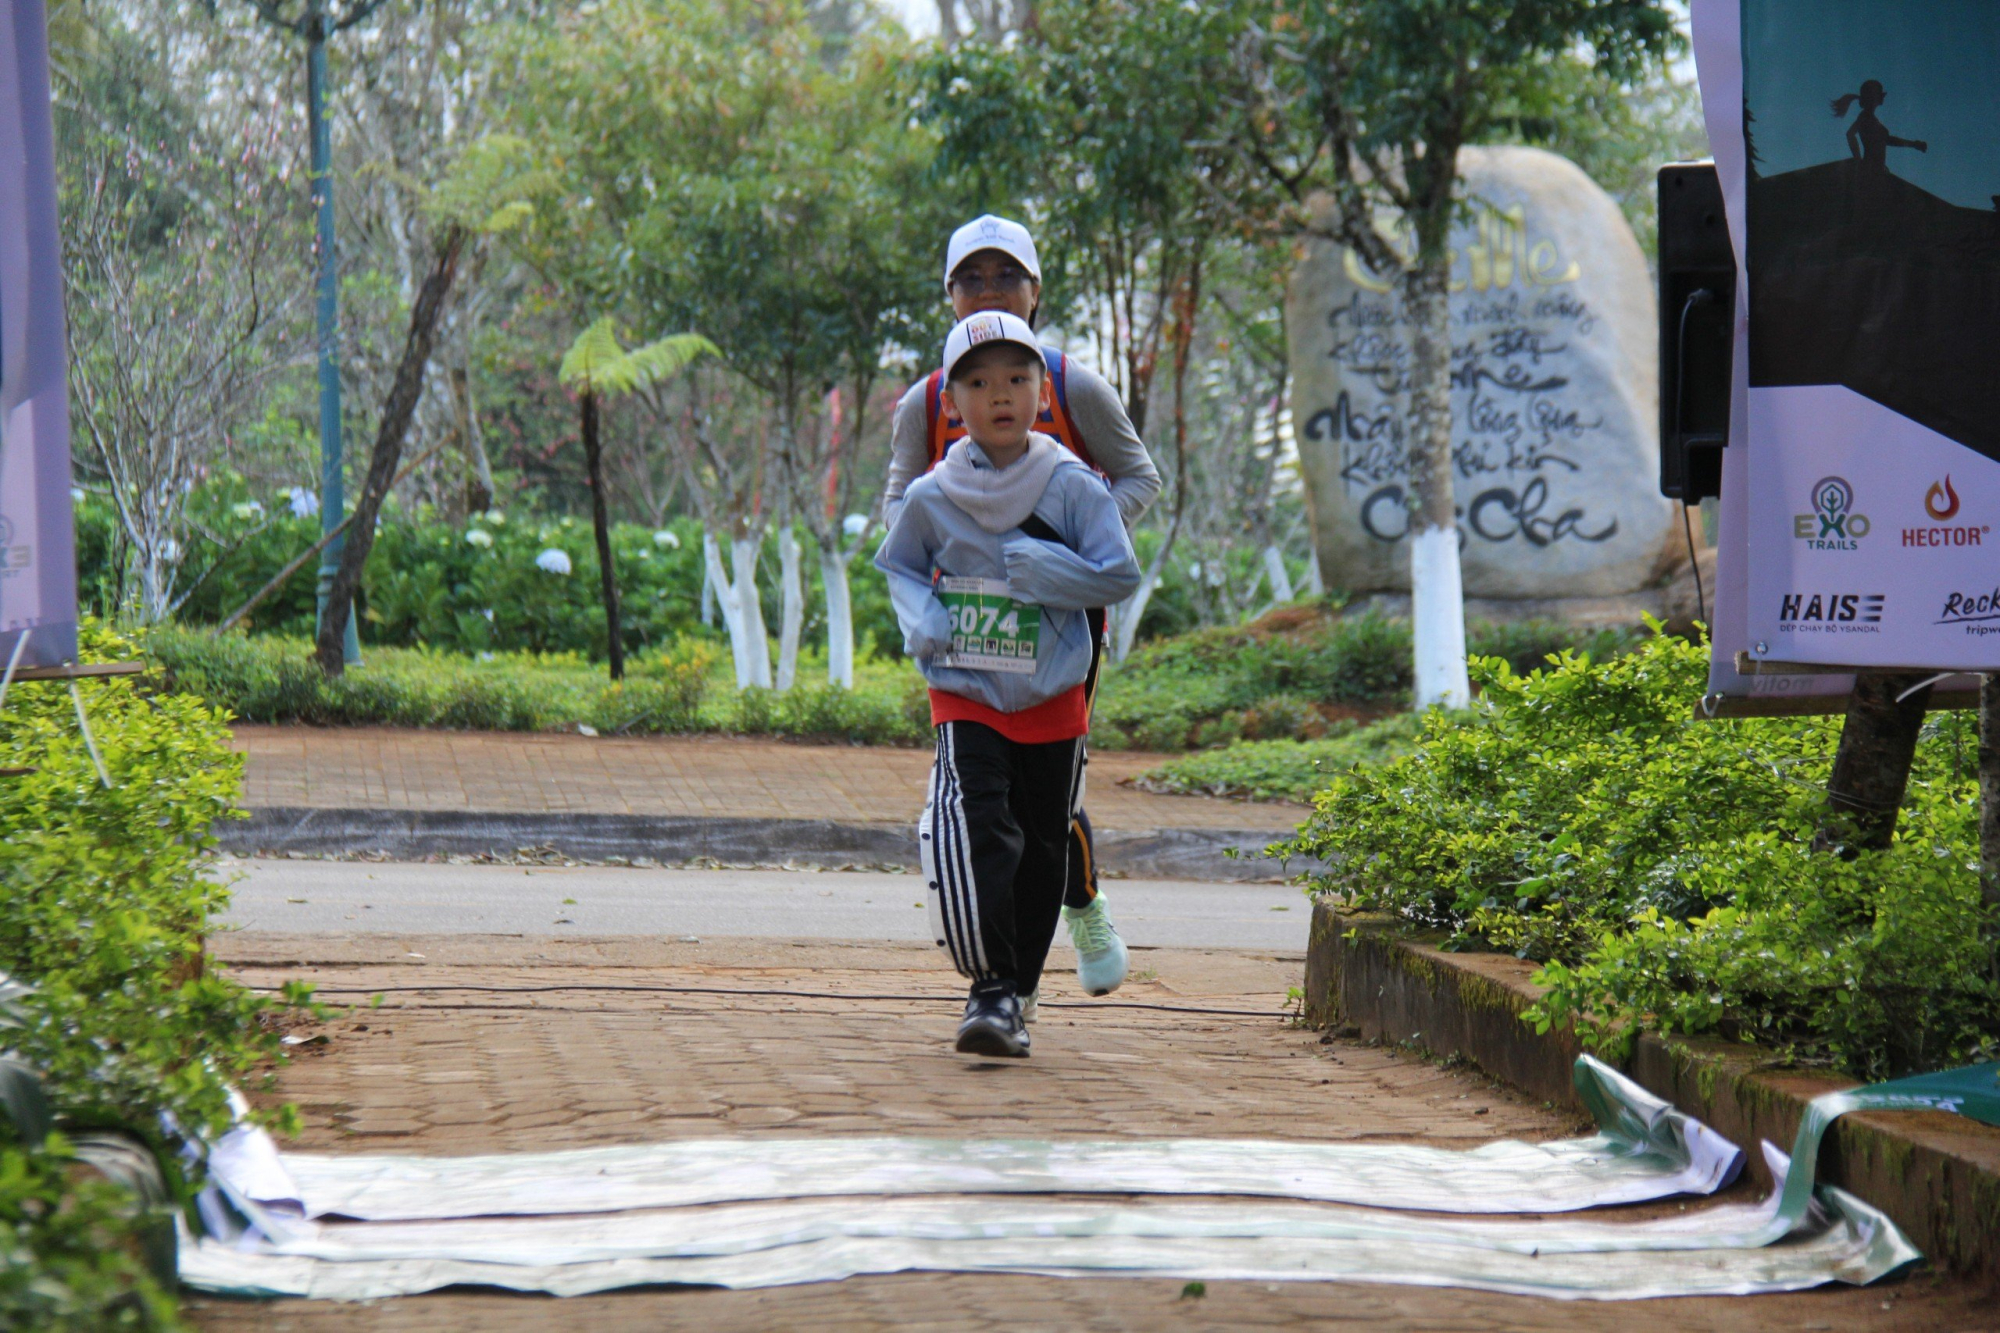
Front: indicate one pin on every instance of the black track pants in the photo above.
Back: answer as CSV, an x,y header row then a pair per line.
x,y
995,840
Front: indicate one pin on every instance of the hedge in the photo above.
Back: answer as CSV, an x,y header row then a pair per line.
x,y
105,895
1663,870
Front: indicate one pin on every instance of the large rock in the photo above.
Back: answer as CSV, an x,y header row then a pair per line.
x,y
1554,407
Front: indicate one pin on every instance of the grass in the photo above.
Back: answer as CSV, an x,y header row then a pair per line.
x,y
1298,675
1284,770
688,688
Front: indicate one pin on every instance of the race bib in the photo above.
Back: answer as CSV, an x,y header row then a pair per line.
x,y
990,631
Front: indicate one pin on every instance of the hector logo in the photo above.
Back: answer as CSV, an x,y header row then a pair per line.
x,y
1941,503
1832,525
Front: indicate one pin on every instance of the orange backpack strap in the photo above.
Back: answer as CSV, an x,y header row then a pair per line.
x,y
934,422
1057,420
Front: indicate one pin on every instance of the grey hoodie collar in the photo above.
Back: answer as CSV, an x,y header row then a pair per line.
x,y
998,499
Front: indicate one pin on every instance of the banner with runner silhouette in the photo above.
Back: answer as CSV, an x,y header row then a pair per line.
x,y
1855,145
37,533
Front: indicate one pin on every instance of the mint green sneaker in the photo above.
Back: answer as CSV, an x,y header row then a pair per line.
x,y
1100,954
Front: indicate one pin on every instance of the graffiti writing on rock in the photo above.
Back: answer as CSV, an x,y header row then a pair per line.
x,y
1519,409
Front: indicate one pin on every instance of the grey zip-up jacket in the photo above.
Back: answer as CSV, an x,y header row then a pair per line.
x,y
933,535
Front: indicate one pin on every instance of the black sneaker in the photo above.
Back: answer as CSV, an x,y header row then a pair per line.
x,y
992,1024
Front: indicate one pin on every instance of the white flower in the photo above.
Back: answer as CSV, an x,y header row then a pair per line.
x,y
304,503
488,613
666,540
853,524
554,561
247,509
497,517
485,657
478,537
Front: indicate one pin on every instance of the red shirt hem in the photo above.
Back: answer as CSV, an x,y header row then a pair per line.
x,y
1062,718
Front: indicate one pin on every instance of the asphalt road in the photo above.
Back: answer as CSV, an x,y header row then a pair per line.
x,y
335,897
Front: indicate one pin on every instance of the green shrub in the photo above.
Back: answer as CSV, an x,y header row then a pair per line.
x,y
467,587
105,894
273,679
1169,688
1662,867
832,712
1285,770
1282,717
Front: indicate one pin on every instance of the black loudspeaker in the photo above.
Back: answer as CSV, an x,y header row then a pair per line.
x,y
1697,327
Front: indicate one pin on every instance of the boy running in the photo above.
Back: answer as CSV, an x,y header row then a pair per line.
x,y
991,264
992,562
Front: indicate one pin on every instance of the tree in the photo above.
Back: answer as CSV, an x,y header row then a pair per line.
x,y
1358,110
329,649
180,302
460,207
597,367
717,173
1100,128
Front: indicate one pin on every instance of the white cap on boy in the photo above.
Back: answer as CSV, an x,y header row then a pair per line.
x,y
991,233
987,326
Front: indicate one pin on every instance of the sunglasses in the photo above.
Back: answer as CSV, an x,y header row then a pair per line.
x,y
1006,280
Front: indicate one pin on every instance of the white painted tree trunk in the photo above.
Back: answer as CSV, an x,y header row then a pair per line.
x,y
1315,586
747,646
1437,590
708,589
721,595
1125,616
792,613
1280,577
839,618
757,639
1437,617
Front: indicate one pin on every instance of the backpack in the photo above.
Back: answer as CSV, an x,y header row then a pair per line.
x,y
1055,420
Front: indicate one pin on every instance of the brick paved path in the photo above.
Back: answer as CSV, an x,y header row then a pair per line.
x,y
390,768
459,1072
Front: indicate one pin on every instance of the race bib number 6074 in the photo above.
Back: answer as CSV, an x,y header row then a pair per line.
x,y
990,631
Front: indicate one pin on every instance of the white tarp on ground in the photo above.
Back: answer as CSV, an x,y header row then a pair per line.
x,y
776,1244
770,1212
1644,1149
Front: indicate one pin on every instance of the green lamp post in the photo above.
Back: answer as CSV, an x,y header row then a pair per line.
x,y
315,25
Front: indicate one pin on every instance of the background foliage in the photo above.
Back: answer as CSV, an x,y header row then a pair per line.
x,y
105,895
1662,867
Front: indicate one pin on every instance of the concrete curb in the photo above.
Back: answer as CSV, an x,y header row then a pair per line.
x,y
1937,1176
1182,853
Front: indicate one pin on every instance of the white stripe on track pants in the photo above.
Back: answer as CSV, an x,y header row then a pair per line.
x,y
995,846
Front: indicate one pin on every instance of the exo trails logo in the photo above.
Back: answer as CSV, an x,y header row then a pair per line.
x,y
1832,612
1941,503
1832,525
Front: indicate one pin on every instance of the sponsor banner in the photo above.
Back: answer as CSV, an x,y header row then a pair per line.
x,y
1864,204
37,539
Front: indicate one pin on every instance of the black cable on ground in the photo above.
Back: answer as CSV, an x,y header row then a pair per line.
x,y
744,992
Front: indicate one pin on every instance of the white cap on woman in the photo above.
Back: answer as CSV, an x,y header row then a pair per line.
x,y
991,233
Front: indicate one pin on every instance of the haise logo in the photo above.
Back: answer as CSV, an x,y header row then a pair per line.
x,y
1832,525
1831,607
1941,503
